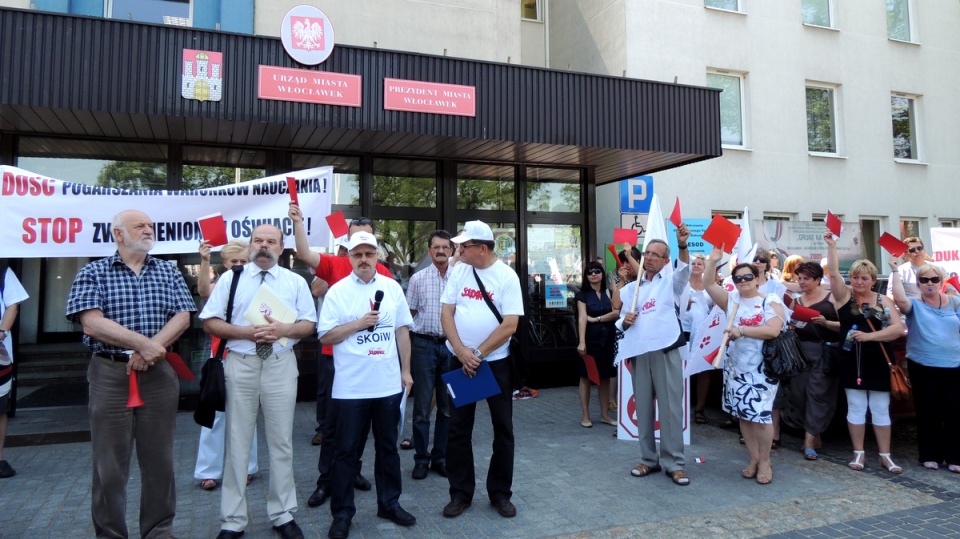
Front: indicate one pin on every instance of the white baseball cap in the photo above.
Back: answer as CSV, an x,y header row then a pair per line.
x,y
361,238
474,230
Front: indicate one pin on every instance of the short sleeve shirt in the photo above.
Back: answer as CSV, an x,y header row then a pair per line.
x,y
474,320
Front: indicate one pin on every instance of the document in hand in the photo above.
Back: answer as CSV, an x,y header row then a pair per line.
x,y
465,390
266,302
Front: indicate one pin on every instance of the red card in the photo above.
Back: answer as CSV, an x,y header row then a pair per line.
x,y
625,235
292,189
592,373
675,215
955,282
723,232
833,223
338,224
214,229
804,314
616,255
179,366
892,244
788,299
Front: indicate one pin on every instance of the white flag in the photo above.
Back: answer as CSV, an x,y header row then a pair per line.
x,y
705,343
745,241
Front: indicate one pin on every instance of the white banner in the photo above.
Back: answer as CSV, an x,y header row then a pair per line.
x,y
45,217
945,249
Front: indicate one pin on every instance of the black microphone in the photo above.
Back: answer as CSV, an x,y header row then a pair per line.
x,y
377,298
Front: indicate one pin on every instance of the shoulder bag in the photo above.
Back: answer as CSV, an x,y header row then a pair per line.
x,y
213,385
516,351
782,359
899,383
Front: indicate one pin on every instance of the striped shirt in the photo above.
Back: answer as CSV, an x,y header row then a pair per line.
x,y
423,296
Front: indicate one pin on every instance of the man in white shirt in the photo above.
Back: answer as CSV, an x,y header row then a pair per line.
x,y
429,357
916,257
475,334
366,318
11,294
261,372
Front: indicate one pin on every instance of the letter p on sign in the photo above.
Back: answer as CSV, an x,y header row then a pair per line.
x,y
636,194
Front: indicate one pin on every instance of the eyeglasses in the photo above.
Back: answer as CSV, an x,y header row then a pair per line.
x,y
595,271
915,249
925,280
465,246
363,221
651,254
761,260
737,279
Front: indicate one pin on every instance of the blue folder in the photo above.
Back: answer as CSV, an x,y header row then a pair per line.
x,y
465,390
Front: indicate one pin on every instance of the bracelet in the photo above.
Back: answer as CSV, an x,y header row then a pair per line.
x,y
684,246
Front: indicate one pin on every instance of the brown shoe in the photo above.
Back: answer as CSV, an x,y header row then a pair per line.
x,y
455,508
642,470
679,477
505,508
317,439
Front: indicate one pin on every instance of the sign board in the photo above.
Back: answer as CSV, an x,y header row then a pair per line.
x,y
637,221
555,296
308,86
429,97
627,408
805,238
307,35
636,194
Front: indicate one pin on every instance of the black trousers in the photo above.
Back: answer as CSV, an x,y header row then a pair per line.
x,y
936,399
326,372
460,466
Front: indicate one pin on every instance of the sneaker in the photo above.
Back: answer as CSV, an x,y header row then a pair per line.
x,y
6,470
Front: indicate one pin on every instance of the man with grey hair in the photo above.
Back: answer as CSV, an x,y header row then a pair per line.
x,y
132,307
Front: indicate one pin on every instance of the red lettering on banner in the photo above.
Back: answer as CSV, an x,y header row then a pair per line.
x,y
715,322
21,185
473,293
946,256
56,229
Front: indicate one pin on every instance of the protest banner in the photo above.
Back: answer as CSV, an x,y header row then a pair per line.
x,y
945,249
47,217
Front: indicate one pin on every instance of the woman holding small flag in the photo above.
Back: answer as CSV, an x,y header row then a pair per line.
x,y
747,392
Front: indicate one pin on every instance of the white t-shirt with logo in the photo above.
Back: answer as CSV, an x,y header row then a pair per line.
x,y
473,318
367,363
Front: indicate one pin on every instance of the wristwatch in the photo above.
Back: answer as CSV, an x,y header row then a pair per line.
x,y
476,352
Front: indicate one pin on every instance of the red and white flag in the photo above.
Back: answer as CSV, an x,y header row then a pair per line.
x,y
705,343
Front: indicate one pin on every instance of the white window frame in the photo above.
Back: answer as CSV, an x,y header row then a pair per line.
x,y
911,26
917,128
539,6
739,8
831,13
919,221
732,215
837,118
744,130
949,223
778,216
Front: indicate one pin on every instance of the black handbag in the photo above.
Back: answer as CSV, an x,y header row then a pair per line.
x,y
516,358
213,383
782,359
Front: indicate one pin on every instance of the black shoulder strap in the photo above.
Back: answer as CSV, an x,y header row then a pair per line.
x,y
236,269
486,298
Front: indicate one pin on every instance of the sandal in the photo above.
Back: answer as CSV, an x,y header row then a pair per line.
x,y
810,453
208,484
750,472
642,470
612,406
407,443
764,476
679,477
893,468
857,462
699,418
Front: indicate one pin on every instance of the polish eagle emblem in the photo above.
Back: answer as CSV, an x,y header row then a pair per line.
x,y
308,34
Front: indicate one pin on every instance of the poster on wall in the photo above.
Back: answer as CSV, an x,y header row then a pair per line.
x,y
805,238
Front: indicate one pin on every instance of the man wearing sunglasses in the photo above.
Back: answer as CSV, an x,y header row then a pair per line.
x,y
650,320
916,255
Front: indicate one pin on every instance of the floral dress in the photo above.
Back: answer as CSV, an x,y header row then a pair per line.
x,y
747,393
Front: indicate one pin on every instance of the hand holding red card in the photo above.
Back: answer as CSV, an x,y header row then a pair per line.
x,y
804,314
625,235
675,214
833,224
292,189
722,232
338,224
214,229
892,244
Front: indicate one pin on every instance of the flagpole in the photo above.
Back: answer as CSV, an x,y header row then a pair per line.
x,y
636,291
726,337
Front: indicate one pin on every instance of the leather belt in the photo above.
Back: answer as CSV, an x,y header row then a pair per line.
x,y
435,340
121,358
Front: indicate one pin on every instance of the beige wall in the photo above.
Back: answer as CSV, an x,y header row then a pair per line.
x,y
588,36
475,29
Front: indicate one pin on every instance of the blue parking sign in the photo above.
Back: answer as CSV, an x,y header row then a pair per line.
x,y
636,194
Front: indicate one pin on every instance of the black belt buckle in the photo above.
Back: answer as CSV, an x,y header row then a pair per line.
x,y
120,358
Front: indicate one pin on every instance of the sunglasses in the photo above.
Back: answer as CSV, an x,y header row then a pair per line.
x,y
737,279
363,221
595,271
761,260
915,249
925,280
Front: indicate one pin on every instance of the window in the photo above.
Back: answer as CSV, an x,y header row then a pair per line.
x,y
731,106
553,190
486,187
950,223
729,5
899,20
732,215
909,227
903,112
174,12
775,216
530,10
404,183
817,13
870,233
822,119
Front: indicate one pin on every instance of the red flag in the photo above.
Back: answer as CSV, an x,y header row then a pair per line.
x,y
955,282
338,224
214,229
292,189
675,214
892,244
833,223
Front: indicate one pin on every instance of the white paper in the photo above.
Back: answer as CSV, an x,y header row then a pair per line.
x,y
403,409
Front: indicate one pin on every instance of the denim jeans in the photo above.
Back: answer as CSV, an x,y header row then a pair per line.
x,y
354,416
428,362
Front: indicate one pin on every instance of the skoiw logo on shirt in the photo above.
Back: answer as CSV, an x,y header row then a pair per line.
x,y
473,293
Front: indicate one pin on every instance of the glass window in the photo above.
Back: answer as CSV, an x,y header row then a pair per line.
x,y
346,175
530,10
404,183
205,167
898,19
909,228
486,187
555,269
89,162
730,5
175,12
821,119
731,106
904,115
950,223
550,189
504,239
870,232
403,246
816,12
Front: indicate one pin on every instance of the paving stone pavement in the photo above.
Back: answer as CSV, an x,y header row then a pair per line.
x,y
570,482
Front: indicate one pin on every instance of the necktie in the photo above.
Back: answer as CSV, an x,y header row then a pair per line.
x,y
264,349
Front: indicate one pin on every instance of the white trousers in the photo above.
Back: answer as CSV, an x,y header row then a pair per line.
x,y
253,384
211,453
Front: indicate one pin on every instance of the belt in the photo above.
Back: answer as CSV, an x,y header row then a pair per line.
x,y
123,358
435,340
